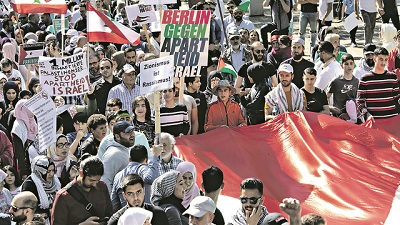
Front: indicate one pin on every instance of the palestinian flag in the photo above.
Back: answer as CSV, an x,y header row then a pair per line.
x,y
226,68
100,28
39,6
244,5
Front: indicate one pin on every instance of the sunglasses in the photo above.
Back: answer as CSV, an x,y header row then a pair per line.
x,y
7,72
237,13
253,200
105,67
235,38
61,145
15,209
257,51
230,7
166,91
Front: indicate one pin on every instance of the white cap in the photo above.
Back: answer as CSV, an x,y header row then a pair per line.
x,y
72,32
135,216
200,205
285,67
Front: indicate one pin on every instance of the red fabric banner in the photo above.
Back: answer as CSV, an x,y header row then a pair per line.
x,y
345,172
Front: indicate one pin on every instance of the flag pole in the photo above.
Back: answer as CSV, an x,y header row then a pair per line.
x,y
144,26
222,21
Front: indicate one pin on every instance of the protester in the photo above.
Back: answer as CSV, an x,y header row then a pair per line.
x,y
388,34
188,171
393,60
213,79
12,181
141,118
137,216
97,127
213,183
366,63
5,200
23,207
315,98
201,211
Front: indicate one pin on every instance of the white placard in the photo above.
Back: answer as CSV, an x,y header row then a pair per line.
x,y
68,76
156,74
42,106
158,2
351,21
142,14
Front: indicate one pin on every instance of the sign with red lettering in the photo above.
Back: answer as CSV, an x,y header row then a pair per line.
x,y
66,76
185,34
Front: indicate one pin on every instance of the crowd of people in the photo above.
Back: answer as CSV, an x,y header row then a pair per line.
x,y
108,166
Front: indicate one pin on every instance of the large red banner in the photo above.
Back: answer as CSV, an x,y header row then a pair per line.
x,y
345,172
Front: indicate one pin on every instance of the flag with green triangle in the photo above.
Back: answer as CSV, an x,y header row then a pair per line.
x,y
244,5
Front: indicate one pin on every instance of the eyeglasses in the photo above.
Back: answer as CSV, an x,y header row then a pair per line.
x,y
235,38
253,200
15,209
105,67
169,90
7,72
61,145
257,51
230,7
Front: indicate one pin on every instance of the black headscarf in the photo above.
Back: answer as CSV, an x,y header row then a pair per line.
x,y
7,86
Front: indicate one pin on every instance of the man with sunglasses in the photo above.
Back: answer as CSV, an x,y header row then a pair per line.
x,y
239,22
6,66
103,86
229,19
23,207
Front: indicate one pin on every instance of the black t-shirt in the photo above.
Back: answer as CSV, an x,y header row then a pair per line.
x,y
316,100
218,218
390,6
200,99
243,72
298,69
309,8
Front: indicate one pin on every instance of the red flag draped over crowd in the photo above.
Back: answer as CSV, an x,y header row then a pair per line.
x,y
345,172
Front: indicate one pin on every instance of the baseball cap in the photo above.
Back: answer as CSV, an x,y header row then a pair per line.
x,y
122,126
72,41
275,219
128,68
233,32
369,49
299,40
72,32
200,205
285,67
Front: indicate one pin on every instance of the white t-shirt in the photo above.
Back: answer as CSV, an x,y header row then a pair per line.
x,y
326,75
323,7
368,5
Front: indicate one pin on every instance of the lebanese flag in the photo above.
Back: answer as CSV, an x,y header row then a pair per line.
x,y
101,29
347,173
39,6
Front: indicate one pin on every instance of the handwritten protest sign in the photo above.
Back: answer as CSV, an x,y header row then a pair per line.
x,y
142,14
185,34
156,74
66,76
29,53
42,106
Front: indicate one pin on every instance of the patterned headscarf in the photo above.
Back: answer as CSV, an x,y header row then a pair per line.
x,y
194,191
163,186
22,113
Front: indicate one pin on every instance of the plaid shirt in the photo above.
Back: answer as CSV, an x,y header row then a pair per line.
x,y
171,165
127,96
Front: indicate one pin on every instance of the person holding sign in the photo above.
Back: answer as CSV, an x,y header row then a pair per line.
x,y
224,112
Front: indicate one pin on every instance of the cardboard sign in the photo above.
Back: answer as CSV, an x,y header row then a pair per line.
x,y
42,106
58,25
156,74
30,53
68,76
142,14
185,35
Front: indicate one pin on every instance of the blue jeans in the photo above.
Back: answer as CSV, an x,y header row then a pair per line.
x,y
369,20
308,18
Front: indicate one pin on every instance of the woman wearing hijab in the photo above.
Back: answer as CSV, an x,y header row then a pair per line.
x,y
168,191
10,92
136,216
23,133
43,183
34,85
3,80
188,171
5,200
59,153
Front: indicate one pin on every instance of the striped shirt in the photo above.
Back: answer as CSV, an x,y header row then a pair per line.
x,y
174,120
378,93
125,95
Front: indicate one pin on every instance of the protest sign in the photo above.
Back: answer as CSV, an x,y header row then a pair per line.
x,y
58,25
66,76
158,2
142,14
29,53
156,74
42,106
185,35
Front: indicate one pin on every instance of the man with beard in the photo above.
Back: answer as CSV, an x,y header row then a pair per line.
x,y
133,191
367,63
258,51
141,164
298,62
239,21
23,207
236,55
130,56
285,97
244,37
94,67
116,157
85,200
168,161
254,213
229,19
330,69
8,29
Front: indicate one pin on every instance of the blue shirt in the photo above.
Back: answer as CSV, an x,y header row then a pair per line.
x,y
349,6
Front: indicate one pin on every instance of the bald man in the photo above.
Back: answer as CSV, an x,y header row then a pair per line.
x,y
23,207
